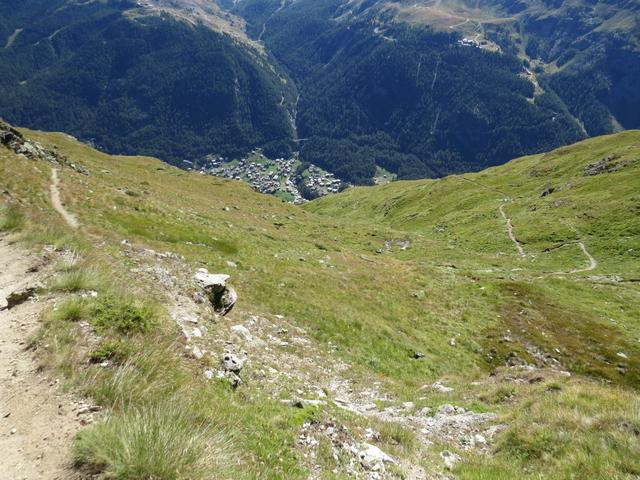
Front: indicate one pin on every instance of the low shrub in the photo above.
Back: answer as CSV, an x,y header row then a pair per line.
x,y
123,315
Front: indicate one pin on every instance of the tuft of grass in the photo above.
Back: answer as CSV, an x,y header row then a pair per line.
x,y
77,281
71,310
113,350
158,441
148,374
123,315
11,219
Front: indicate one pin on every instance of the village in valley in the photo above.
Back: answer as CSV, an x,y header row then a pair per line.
x,y
288,179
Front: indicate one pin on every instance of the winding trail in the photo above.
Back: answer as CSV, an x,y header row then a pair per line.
x,y
593,263
512,235
57,203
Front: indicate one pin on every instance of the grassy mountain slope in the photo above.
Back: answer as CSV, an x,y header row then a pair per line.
x,y
331,311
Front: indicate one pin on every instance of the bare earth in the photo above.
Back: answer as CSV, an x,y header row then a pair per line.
x,y
37,420
57,203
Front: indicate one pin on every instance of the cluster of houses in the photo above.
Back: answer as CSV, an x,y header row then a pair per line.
x,y
275,177
321,182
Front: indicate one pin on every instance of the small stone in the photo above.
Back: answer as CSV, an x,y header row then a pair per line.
x,y
304,403
197,353
547,191
372,458
232,363
439,387
622,355
479,439
13,431
242,331
418,355
450,459
452,342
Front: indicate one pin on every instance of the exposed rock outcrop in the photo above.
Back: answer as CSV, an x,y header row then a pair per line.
x,y
605,165
222,296
18,297
14,140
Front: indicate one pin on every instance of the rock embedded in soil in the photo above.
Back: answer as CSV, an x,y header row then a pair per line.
x,y
232,363
372,458
450,459
222,296
19,297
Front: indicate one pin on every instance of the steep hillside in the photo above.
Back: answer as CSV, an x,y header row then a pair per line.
x,y
142,80
440,321
421,89
430,88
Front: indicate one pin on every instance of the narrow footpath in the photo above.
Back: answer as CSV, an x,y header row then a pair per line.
x,y
37,420
57,203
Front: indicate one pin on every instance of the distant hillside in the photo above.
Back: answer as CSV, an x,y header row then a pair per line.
x,y
421,89
418,88
140,81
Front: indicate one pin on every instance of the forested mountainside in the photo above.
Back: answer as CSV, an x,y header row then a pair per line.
x,y
434,87
132,82
421,88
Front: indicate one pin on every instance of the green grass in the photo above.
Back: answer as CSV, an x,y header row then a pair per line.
x,y
573,432
317,265
160,441
10,219
111,350
124,315
77,280
71,310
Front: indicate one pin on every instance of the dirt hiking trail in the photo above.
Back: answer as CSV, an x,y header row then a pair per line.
x,y
37,421
57,203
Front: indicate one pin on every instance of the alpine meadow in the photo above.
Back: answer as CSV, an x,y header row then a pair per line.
x,y
319,240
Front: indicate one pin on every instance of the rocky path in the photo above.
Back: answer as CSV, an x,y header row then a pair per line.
x,y
512,235
37,420
57,203
593,263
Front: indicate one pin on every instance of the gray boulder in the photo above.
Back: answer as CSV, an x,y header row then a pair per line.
x,y
222,296
232,363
